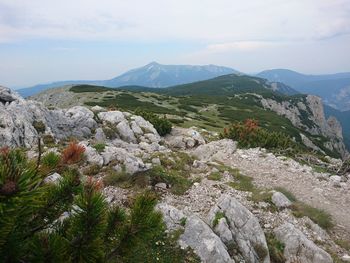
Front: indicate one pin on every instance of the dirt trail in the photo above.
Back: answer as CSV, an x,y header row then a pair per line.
x,y
269,171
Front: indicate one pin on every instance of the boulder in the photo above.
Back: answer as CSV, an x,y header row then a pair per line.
x,y
97,108
335,180
298,248
223,230
7,95
280,200
92,156
172,216
216,150
113,117
125,132
125,158
245,228
146,126
182,138
100,135
204,242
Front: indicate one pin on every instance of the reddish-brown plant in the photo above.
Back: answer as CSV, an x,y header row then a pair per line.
x,y
73,153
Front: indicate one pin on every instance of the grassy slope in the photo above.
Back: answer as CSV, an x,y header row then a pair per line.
x,y
211,104
212,112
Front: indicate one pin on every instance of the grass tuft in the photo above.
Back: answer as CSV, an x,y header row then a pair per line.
x,y
318,216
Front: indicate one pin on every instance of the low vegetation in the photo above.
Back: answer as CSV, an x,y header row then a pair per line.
x,y
99,147
320,217
215,176
73,153
51,160
114,177
32,228
92,170
276,248
248,134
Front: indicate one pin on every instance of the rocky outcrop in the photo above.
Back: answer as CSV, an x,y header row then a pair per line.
x,y
298,248
201,238
308,114
181,138
246,231
22,121
215,151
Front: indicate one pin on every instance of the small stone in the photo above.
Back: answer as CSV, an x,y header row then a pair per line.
x,y
196,184
156,161
346,258
280,200
335,180
53,178
161,186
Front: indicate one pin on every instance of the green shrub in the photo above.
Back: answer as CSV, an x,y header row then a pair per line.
x,y
162,125
249,135
276,248
100,147
32,230
51,160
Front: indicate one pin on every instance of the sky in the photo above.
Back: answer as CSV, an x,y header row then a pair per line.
x,y
46,40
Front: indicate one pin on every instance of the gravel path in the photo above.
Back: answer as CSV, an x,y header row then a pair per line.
x,y
269,171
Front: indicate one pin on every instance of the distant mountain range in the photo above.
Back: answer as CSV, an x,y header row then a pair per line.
x,y
334,89
216,103
152,75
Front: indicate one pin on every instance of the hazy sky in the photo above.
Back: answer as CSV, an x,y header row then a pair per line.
x,y
47,40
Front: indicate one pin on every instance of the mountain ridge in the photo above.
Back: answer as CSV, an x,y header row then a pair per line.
x,y
152,75
334,89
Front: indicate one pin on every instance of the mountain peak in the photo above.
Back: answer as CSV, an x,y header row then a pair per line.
x,y
153,63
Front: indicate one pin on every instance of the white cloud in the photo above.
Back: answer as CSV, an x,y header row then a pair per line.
x,y
213,21
238,46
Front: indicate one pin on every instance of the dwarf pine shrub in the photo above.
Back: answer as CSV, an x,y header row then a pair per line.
x,y
69,221
248,134
51,160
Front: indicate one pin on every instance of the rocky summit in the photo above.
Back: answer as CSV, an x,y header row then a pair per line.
x,y
219,202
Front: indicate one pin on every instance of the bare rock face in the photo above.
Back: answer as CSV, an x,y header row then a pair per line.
x,y
298,248
20,119
22,122
7,96
309,115
246,231
172,217
181,138
216,150
205,243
